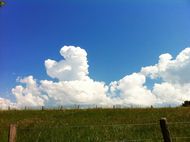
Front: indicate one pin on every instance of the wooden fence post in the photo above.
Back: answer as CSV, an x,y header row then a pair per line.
x,y
12,133
165,130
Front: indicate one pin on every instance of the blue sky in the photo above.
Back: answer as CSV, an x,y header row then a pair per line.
x,y
119,36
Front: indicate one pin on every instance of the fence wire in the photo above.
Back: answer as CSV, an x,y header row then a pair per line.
x,y
129,132
107,132
180,132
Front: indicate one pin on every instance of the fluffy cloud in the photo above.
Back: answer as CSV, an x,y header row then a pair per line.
x,y
76,92
73,67
168,93
173,71
131,90
74,85
30,95
174,74
5,103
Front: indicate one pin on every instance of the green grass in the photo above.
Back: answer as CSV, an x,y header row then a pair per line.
x,y
95,125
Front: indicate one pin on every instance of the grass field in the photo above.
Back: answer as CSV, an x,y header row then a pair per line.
x,y
111,125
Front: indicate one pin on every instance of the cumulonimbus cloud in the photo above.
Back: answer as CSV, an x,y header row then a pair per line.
x,y
74,85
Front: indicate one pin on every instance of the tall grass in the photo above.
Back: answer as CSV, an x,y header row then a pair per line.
x,y
95,125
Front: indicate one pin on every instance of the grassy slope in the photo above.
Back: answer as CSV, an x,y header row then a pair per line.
x,y
94,125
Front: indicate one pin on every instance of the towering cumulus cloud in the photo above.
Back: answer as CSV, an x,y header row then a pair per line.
x,y
175,85
74,67
74,85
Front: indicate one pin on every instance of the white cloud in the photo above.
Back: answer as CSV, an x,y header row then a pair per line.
x,y
168,93
76,92
174,74
74,66
5,103
74,85
30,95
173,71
131,90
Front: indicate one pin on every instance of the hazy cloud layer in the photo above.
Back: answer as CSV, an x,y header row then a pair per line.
x,y
74,85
